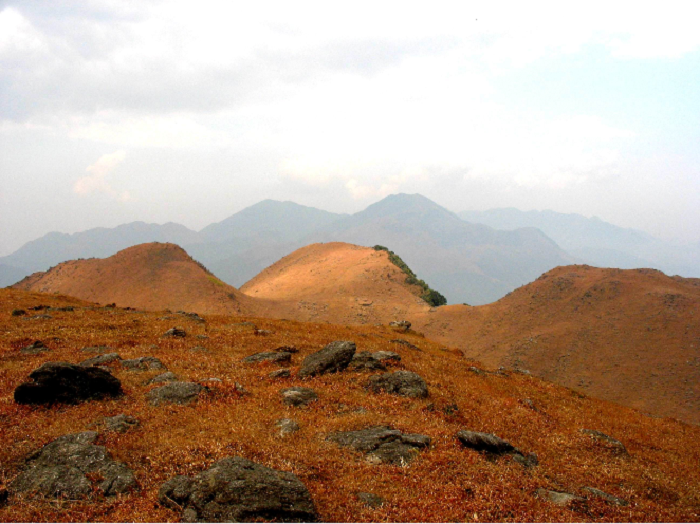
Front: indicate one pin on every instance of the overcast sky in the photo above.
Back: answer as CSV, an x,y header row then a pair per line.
x,y
113,111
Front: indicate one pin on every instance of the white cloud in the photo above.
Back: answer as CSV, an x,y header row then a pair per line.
x,y
96,181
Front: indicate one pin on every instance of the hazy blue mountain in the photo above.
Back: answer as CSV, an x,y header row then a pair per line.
x,y
11,275
470,263
53,248
596,241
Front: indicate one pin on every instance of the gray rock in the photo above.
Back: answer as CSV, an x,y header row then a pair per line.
x,y
175,332
557,498
477,371
333,358
287,426
298,396
238,490
35,348
68,383
199,349
527,460
269,356
18,312
406,344
364,360
286,349
174,393
64,468
96,349
400,325
101,360
607,439
386,355
610,499
383,445
168,376
486,442
40,317
370,499
120,423
403,383
143,364
281,373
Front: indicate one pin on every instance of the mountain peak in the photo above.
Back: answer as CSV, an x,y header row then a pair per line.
x,y
403,203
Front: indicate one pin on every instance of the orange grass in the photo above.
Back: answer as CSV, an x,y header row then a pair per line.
x,y
660,477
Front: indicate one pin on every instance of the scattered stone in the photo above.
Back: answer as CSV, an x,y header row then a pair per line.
x,y
450,410
238,490
96,349
400,325
600,436
182,393
386,355
382,444
120,423
18,312
65,309
281,373
370,499
528,403
487,442
263,332
168,376
38,308
557,498
239,389
40,317
68,467
269,356
35,348
522,371
611,499
202,337
100,360
143,364
191,316
287,426
199,349
406,343
364,360
286,349
298,396
68,383
477,371
175,332
404,383
527,460
333,358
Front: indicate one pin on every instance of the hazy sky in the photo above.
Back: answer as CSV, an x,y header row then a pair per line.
x,y
113,111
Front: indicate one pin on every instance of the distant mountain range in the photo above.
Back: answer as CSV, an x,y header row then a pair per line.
x,y
470,258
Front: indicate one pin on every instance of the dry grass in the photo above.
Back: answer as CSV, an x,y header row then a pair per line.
x,y
660,476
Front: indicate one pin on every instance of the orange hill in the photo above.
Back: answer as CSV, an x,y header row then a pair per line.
x,y
629,336
151,276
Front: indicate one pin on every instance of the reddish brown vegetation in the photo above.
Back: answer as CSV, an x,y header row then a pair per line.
x,y
660,476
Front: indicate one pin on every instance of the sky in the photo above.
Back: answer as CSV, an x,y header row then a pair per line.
x,y
188,112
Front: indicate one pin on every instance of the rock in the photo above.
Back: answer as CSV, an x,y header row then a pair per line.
x,y
281,373
71,467
364,360
201,337
168,376
199,349
286,349
100,360
557,498
174,393
382,444
477,371
191,316
238,490
175,332
287,426
333,358
40,317
528,403
40,307
406,344
386,355
370,499
298,396
35,348
263,332
69,383
611,499
120,423
143,364
487,442
527,460
18,312
400,325
96,349
270,356
404,383
607,439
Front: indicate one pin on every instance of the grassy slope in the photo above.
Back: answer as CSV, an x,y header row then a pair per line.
x,y
445,483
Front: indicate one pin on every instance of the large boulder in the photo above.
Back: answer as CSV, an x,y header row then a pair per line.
x,y
69,383
334,357
175,393
382,444
238,490
404,383
72,467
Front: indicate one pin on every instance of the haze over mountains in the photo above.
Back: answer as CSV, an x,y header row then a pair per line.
x,y
474,262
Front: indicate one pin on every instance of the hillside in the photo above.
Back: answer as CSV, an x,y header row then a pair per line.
x,y
149,276
655,477
628,336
